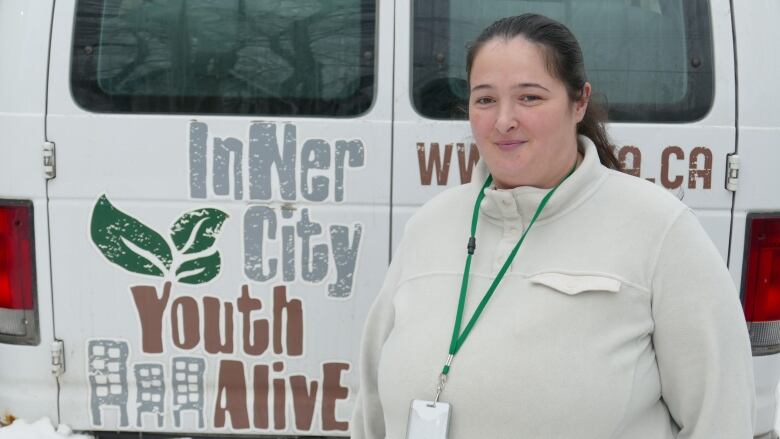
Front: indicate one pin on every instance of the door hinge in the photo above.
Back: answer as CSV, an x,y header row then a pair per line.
x,y
49,160
732,172
57,358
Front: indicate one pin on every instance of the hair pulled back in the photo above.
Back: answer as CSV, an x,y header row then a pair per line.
x,y
564,61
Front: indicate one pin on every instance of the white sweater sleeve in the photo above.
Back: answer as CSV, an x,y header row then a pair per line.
x,y
368,418
700,339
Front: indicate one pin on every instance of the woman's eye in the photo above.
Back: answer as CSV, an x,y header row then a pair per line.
x,y
529,98
483,101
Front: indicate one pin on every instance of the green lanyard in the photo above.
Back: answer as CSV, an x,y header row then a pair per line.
x,y
457,337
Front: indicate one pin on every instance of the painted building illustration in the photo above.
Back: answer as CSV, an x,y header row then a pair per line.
x,y
150,391
108,378
187,384
107,370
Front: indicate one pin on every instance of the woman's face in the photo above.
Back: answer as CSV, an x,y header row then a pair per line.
x,y
521,117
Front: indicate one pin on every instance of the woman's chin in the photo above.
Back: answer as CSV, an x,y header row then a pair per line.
x,y
508,183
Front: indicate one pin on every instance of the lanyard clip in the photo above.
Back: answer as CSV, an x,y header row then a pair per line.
x,y
442,379
439,387
472,245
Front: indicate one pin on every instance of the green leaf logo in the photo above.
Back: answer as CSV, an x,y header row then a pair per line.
x,y
199,270
127,242
119,236
196,231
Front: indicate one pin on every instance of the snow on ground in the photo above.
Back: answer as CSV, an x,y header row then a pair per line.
x,y
40,429
43,429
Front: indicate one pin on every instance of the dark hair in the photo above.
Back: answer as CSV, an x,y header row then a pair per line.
x,y
564,61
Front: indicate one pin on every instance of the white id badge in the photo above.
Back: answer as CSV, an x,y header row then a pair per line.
x,y
428,420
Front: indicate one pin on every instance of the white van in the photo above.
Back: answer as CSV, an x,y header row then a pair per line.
x,y
199,198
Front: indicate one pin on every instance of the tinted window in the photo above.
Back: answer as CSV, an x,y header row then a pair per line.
x,y
274,57
648,60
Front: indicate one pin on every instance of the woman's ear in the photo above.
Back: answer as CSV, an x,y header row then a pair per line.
x,y
581,104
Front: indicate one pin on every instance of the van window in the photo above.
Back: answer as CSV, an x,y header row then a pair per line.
x,y
648,60
269,57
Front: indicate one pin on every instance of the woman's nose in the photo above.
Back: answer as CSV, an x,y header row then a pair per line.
x,y
506,119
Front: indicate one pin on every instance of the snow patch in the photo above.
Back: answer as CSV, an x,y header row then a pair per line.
x,y
40,429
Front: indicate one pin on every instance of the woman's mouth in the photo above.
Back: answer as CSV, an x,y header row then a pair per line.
x,y
508,145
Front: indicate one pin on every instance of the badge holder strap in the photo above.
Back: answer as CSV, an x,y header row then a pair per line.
x,y
459,338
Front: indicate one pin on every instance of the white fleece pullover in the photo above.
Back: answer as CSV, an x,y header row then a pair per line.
x,y
617,319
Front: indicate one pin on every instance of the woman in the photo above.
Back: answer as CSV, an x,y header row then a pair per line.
x,y
614,316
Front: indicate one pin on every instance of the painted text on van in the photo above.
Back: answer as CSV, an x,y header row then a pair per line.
x,y
262,225
432,159
314,171
699,165
248,395
222,322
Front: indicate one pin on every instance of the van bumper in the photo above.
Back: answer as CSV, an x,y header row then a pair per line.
x,y
767,376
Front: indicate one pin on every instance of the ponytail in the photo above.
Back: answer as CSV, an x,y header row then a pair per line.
x,y
592,127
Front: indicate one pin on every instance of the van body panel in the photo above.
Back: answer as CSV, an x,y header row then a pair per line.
x,y
767,375
22,124
189,286
759,154
759,121
28,388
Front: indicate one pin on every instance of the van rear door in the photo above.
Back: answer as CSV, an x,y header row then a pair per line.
x,y
220,215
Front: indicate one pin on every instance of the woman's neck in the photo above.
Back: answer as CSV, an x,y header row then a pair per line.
x,y
554,180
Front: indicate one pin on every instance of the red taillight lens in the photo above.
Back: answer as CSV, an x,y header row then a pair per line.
x,y
16,262
762,269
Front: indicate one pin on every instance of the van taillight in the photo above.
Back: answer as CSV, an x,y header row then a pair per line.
x,y
17,273
761,282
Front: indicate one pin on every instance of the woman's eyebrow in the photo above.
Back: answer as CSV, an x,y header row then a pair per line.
x,y
481,86
520,85
531,84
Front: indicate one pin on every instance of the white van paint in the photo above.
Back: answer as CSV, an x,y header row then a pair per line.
x,y
759,152
25,377
373,171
